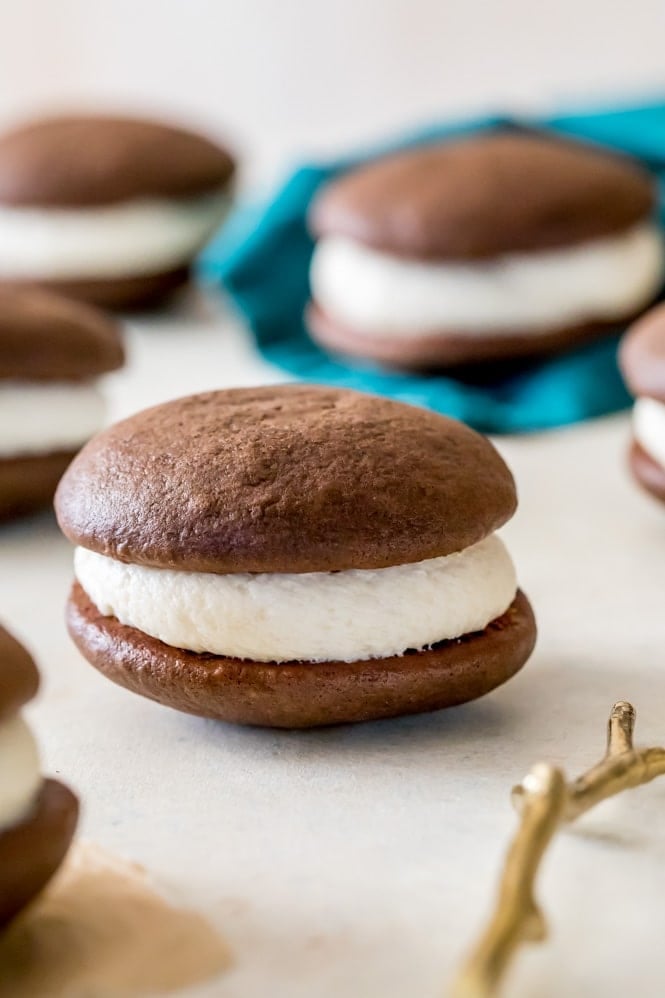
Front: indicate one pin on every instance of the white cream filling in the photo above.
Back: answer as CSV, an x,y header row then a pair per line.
x,y
649,428
314,617
375,293
20,775
42,418
119,240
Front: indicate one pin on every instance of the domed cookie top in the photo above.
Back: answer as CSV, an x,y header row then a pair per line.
x,y
642,355
84,160
284,479
19,679
499,192
45,336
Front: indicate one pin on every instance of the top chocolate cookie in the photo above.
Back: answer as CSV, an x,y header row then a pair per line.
x,y
45,336
19,679
642,355
82,161
284,479
499,192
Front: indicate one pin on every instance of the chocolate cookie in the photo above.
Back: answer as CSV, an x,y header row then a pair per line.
x,y
284,479
52,350
642,355
28,484
320,555
642,361
37,817
45,337
423,353
484,196
503,244
83,160
32,851
19,679
129,292
648,472
301,694
108,209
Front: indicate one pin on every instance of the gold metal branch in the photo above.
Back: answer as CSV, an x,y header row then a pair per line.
x,y
623,767
517,917
545,802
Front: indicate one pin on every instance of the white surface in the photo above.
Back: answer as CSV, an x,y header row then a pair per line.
x,y
361,860
120,240
20,777
316,616
649,427
303,77
39,418
374,292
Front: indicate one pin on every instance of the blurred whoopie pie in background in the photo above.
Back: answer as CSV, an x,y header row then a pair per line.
x,y
500,245
37,816
52,351
107,209
642,360
294,556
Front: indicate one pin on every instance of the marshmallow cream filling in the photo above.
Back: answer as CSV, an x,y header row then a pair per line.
x,y
20,775
46,417
119,240
649,428
379,294
314,617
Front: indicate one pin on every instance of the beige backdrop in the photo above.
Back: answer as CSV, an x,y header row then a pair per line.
x,y
286,77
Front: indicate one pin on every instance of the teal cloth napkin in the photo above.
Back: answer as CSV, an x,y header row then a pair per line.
x,y
262,259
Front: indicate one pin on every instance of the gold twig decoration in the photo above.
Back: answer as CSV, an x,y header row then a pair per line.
x,y
623,767
517,917
545,801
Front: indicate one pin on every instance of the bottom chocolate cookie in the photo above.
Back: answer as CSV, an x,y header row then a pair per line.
x,y
29,483
121,292
32,851
302,694
448,349
648,472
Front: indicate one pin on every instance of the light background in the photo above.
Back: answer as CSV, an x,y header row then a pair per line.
x,y
287,78
358,861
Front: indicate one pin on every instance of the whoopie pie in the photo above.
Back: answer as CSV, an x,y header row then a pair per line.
x,y
642,359
294,556
495,246
52,351
37,816
108,209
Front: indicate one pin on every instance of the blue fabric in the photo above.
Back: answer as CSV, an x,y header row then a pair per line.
x,y
262,258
